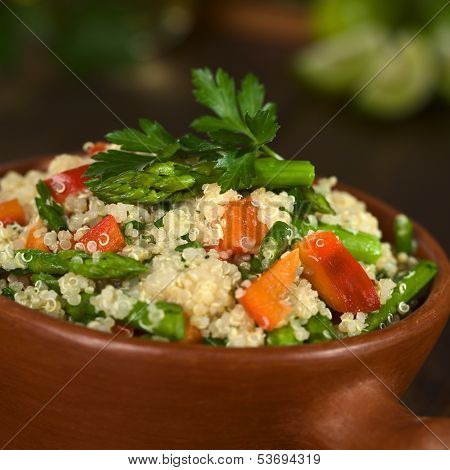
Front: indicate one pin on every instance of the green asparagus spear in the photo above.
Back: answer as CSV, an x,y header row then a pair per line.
x,y
160,181
8,292
283,336
50,212
303,225
363,246
84,312
106,266
320,329
49,280
274,244
403,231
408,287
171,326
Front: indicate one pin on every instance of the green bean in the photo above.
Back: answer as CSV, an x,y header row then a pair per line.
x,y
403,231
407,288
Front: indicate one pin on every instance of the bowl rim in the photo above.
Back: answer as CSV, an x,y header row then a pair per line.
x,y
435,306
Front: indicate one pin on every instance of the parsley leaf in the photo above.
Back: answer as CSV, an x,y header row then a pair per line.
x,y
241,117
114,162
239,171
152,139
251,95
50,212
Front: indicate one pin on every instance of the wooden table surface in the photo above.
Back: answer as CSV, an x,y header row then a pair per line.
x,y
405,163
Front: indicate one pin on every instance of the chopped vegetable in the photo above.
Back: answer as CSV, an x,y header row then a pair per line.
x,y
264,299
35,238
172,325
283,336
274,244
403,231
50,212
153,182
12,212
407,288
84,312
194,244
135,225
67,182
8,292
243,232
340,280
363,246
320,329
192,334
215,342
308,200
105,236
106,266
48,279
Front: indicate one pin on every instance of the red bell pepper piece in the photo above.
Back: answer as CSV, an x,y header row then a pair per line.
x,y
264,299
243,232
106,234
67,182
338,278
97,147
11,211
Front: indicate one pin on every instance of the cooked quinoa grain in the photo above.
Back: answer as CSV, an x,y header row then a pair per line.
x,y
191,275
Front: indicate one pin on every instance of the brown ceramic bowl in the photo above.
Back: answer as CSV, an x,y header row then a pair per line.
x,y
63,386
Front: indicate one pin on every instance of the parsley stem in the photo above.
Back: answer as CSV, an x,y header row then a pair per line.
x,y
271,153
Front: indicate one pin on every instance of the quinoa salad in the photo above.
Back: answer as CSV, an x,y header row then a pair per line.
x,y
208,238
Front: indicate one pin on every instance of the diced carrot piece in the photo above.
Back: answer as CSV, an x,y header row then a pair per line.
x,y
106,234
336,275
192,334
264,299
35,241
243,232
11,211
67,182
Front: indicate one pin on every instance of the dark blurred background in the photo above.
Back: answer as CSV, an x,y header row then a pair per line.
x,y
392,139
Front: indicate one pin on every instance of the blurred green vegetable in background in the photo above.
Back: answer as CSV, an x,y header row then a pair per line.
x,y
354,39
91,36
